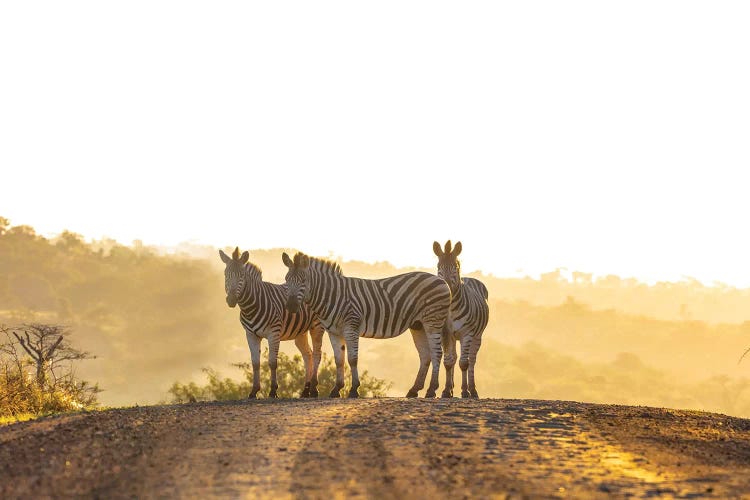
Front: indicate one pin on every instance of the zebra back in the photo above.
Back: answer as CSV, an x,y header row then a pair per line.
x,y
379,308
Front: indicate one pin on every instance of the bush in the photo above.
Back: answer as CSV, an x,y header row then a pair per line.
x,y
36,372
290,375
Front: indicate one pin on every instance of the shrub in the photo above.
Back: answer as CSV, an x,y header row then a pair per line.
x,y
290,375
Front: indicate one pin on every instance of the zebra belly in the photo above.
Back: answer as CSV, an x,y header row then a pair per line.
x,y
291,335
334,327
266,332
461,328
380,335
263,333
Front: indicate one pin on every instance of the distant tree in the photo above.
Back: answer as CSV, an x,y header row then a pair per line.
x,y
553,276
291,377
71,242
583,278
26,231
609,280
54,387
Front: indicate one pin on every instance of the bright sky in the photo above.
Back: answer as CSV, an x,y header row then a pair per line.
x,y
611,137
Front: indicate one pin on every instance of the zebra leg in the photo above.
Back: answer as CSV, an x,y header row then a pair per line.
x,y
273,356
339,349
464,364
449,348
317,343
352,346
304,349
476,343
253,342
435,339
423,349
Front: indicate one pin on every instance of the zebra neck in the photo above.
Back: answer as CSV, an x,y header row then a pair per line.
x,y
459,297
251,298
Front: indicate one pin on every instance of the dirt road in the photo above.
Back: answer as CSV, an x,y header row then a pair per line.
x,y
379,448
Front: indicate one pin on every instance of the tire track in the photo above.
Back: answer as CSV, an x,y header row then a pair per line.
x,y
349,458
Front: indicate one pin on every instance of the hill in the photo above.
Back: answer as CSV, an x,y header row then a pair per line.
x,y
154,316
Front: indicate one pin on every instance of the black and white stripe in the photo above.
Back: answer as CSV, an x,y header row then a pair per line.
x,y
263,316
350,308
469,314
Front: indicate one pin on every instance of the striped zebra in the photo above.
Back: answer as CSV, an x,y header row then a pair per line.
x,y
350,308
263,316
469,315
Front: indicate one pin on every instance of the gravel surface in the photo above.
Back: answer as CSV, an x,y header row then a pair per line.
x,y
378,448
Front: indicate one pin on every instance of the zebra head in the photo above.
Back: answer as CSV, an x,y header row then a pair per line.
x,y
234,274
297,280
449,268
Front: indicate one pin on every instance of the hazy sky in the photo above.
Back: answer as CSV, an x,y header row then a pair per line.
x,y
601,136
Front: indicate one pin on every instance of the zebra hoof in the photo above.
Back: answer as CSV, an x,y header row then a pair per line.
x,y
430,393
335,393
465,394
474,394
273,394
412,393
447,394
252,395
353,394
313,393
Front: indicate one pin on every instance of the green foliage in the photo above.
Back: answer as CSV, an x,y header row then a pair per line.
x,y
217,389
290,376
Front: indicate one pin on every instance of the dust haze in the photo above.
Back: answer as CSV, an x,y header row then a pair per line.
x,y
154,316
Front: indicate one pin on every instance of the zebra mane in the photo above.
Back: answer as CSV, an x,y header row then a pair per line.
x,y
252,271
322,265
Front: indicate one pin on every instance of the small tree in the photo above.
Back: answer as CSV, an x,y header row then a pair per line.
x,y
54,386
49,349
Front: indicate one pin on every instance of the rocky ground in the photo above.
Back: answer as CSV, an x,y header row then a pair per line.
x,y
378,448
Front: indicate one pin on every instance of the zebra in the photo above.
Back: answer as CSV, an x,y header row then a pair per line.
x,y
382,308
469,315
263,315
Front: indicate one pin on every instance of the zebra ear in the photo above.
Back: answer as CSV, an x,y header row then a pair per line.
x,y
224,257
304,261
437,249
448,246
236,253
245,257
286,260
457,249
